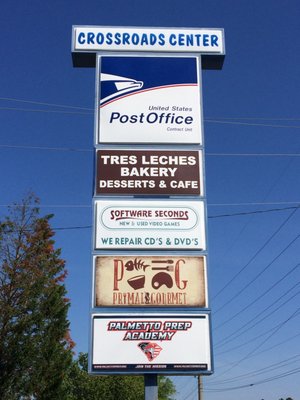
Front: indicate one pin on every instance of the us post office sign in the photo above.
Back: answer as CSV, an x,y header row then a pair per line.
x,y
151,343
149,172
150,224
149,99
165,280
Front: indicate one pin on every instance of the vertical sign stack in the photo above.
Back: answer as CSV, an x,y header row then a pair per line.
x,y
150,310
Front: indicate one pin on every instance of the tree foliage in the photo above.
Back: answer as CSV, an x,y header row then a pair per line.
x,y
80,385
35,349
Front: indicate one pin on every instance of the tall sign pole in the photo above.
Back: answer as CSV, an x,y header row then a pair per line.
x,y
150,313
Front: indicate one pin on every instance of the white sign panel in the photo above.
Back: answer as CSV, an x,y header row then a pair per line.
x,y
150,225
172,343
154,99
101,38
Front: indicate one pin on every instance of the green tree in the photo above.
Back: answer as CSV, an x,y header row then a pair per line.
x,y
35,347
80,385
166,388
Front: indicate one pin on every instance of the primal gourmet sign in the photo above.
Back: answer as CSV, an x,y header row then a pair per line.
x,y
150,281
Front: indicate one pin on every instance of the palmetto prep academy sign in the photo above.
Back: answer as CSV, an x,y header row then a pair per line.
x,y
151,343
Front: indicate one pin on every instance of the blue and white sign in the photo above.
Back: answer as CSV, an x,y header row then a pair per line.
x,y
149,99
152,343
150,224
109,38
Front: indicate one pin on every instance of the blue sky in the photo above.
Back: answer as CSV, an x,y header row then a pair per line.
x,y
252,127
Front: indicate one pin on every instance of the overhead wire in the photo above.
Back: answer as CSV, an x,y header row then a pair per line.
x,y
275,377
45,104
232,121
255,324
237,332
271,332
29,147
249,262
254,279
262,370
46,111
251,124
215,378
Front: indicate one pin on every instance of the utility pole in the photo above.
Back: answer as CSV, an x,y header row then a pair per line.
x,y
200,388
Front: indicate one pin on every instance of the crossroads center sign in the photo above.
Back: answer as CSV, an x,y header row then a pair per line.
x,y
108,38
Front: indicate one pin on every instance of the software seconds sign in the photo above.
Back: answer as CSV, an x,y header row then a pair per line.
x,y
150,172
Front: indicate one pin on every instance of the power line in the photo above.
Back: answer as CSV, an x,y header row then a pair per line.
x,y
236,334
45,111
69,228
224,121
71,149
251,212
251,124
86,108
207,154
275,377
272,331
255,278
252,203
251,259
257,322
260,371
45,104
209,204
48,205
255,118
253,154
286,340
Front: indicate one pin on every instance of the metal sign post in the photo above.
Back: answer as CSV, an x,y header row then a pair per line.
x,y
151,387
